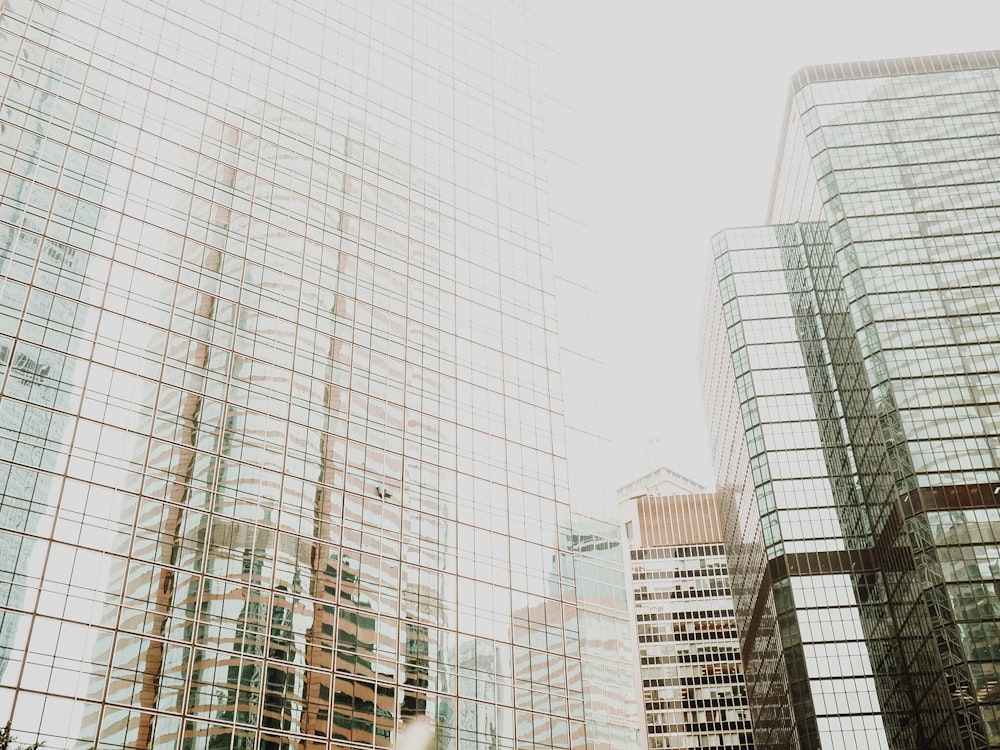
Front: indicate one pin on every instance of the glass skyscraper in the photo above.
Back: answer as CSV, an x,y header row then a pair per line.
x,y
284,453
850,355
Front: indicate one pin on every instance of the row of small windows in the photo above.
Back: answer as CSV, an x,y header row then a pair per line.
x,y
713,615
691,658
678,593
716,569
726,701
662,553
708,679
685,635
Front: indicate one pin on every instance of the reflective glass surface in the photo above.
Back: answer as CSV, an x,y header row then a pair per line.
x,y
850,352
282,436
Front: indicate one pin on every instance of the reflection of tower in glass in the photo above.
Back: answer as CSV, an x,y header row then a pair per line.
x,y
44,321
319,413
215,502
205,509
427,654
477,714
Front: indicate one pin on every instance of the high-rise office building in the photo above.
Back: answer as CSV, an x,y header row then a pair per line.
x,y
689,654
283,443
593,550
850,367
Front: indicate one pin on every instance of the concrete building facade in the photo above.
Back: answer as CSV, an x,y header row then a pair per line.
x,y
693,685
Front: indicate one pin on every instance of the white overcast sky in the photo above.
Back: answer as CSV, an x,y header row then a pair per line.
x,y
681,106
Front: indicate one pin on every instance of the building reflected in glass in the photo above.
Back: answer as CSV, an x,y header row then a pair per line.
x,y
849,361
284,452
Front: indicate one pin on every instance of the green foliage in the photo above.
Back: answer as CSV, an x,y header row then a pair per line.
x,y
7,741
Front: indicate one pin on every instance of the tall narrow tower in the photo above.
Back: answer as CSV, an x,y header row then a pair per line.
x,y
693,685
